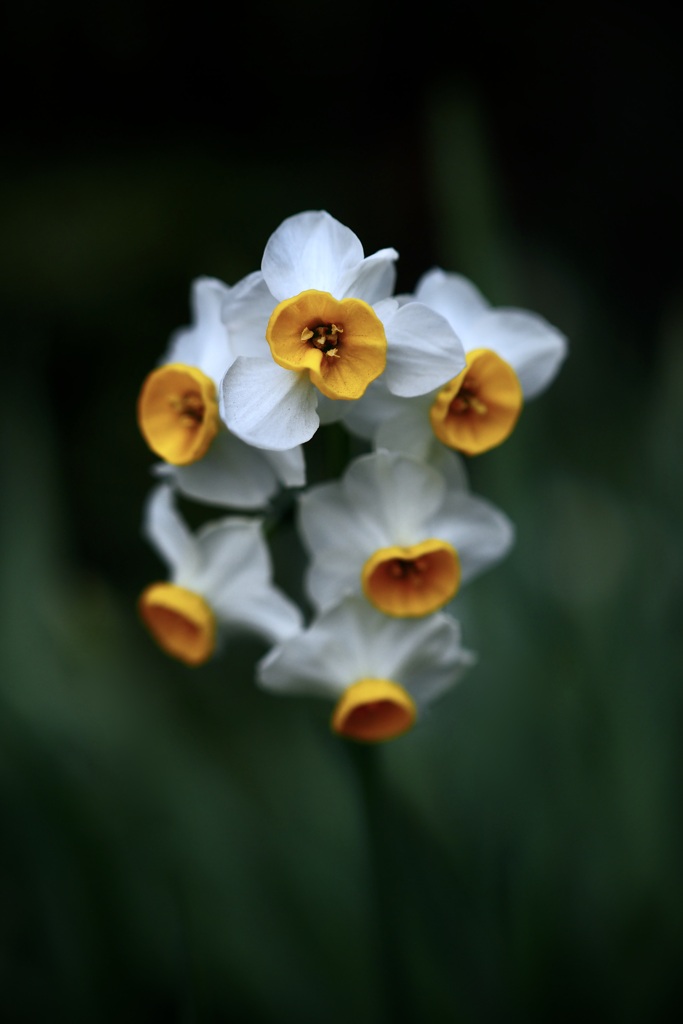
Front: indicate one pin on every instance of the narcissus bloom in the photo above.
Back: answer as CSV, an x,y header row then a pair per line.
x,y
381,672
400,532
220,579
178,406
334,329
511,356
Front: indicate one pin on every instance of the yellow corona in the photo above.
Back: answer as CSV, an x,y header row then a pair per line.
x,y
478,409
412,581
373,710
178,413
340,342
180,621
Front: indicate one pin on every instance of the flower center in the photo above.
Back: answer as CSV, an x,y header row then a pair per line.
x,y
467,399
409,582
479,408
340,343
180,621
373,710
324,337
178,413
189,408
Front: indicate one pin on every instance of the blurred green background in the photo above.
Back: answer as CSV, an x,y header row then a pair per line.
x,y
178,846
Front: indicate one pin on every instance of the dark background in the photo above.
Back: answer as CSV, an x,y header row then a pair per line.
x,y
178,846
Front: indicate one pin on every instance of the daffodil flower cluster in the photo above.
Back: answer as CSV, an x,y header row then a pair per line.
x,y
424,381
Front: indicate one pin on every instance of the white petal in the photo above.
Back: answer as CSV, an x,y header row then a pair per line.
x,y
423,351
228,549
351,642
423,655
452,295
270,613
232,474
372,280
398,495
410,430
331,577
245,312
327,521
289,466
321,661
338,540
533,347
364,416
309,250
236,579
268,406
481,533
166,531
451,465
206,344
435,660
384,499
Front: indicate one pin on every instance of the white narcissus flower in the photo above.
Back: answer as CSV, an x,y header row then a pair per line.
x,y
178,406
220,577
335,328
512,356
381,672
400,532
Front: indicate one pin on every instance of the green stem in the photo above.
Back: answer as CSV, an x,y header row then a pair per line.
x,y
382,845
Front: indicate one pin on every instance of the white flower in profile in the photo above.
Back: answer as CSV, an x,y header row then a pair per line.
x,y
512,356
178,406
381,672
335,328
399,531
221,579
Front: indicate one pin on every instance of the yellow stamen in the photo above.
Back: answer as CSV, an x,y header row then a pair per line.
x,y
178,413
409,582
340,342
180,621
479,408
373,710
